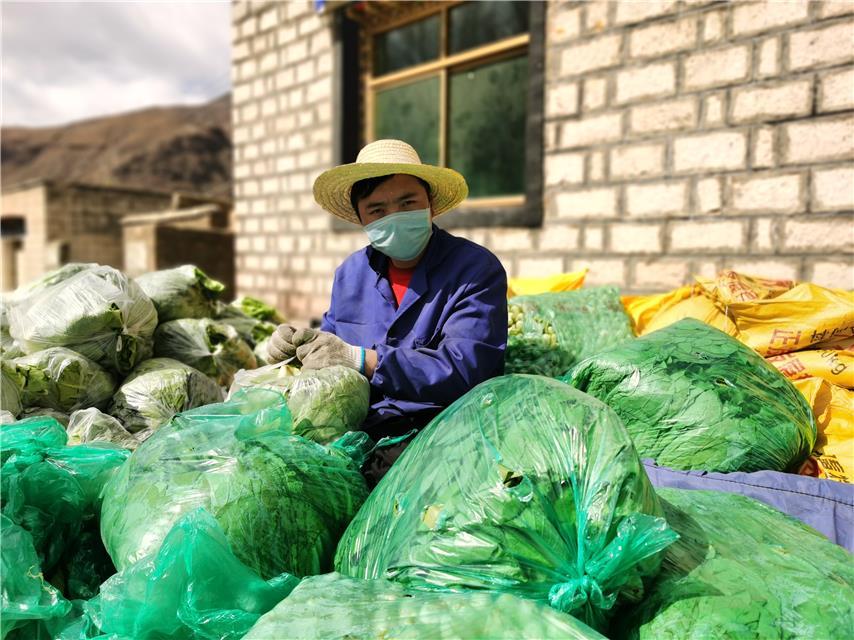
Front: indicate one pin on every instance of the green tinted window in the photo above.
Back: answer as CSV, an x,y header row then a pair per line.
x,y
410,112
487,126
477,23
407,46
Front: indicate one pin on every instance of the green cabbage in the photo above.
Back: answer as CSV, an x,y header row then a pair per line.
x,y
252,330
213,348
157,390
259,309
182,292
91,425
10,388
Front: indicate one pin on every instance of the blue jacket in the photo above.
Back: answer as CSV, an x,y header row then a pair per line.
x,y
448,335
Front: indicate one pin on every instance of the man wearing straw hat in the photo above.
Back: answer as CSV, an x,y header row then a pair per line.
x,y
420,312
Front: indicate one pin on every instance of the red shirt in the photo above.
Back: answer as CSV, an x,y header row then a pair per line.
x,y
399,279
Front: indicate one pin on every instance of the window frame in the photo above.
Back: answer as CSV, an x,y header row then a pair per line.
x,y
353,52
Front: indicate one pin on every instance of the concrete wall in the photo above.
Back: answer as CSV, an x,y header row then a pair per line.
x,y
29,203
681,138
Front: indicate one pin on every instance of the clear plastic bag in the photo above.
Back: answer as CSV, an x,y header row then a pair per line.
x,y
182,292
91,425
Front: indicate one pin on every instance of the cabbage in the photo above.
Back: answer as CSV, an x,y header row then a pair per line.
x,y
250,329
10,389
182,292
259,309
90,425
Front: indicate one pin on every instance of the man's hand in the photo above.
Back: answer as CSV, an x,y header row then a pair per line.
x,y
319,349
281,345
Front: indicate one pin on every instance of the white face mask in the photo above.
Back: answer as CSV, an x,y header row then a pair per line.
x,y
402,235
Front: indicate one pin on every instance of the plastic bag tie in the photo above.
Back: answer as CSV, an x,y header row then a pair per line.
x,y
569,596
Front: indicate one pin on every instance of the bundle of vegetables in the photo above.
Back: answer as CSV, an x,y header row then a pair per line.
x,y
692,397
157,390
192,586
333,606
62,379
258,309
91,425
324,403
743,570
212,347
10,389
182,292
251,329
523,485
48,280
97,312
549,332
281,500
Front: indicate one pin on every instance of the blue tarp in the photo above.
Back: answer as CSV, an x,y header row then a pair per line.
x,y
825,505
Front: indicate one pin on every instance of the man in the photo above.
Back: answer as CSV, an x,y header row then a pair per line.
x,y
421,313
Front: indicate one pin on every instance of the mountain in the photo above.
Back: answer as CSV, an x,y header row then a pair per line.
x,y
166,148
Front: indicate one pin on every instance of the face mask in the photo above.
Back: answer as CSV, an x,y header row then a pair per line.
x,y
401,236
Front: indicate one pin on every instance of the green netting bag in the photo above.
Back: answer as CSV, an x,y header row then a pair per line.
x,y
549,332
334,606
192,586
523,485
214,348
281,500
62,379
98,312
325,403
91,425
692,397
258,309
743,570
182,292
157,390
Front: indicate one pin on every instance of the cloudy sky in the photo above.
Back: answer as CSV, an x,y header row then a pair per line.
x,y
68,61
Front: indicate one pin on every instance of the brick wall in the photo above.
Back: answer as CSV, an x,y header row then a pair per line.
x,y
680,138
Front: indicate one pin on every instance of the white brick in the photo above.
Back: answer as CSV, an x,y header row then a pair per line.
x,y
590,203
717,68
637,160
592,130
595,93
564,168
818,140
596,172
268,20
602,272
835,234
561,99
726,150
769,103
594,238
629,12
653,80
596,16
836,91
596,54
540,267
708,269
660,274
772,269
559,238
664,116
820,47
833,189
763,235
511,240
563,24
635,238
709,195
656,199
749,18
763,148
713,26
774,194
713,110
663,38
836,275
706,236
769,58
831,8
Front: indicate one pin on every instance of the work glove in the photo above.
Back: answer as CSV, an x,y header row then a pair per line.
x,y
319,349
281,346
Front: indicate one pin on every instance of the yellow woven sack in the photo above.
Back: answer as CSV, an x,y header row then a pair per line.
x,y
698,307
642,309
834,365
731,286
833,407
559,282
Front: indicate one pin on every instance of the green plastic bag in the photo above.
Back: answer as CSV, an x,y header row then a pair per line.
x,y
214,348
191,587
182,292
334,606
91,425
23,443
523,485
62,379
98,312
157,390
692,397
84,566
325,403
549,332
281,500
743,570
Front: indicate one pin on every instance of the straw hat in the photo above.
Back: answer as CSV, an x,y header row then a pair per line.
x,y
381,158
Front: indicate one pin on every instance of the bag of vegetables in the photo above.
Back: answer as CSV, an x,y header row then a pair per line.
x,y
182,292
91,425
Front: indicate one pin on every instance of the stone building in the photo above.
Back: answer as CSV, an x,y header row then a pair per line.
x,y
647,140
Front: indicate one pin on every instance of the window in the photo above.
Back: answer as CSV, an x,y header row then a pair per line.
x,y
462,83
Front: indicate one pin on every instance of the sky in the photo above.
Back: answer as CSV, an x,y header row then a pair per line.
x,y
67,61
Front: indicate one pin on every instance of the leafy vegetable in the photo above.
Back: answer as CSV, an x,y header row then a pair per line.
x,y
97,312
157,390
62,379
182,292
692,397
10,388
258,309
250,329
523,485
549,332
281,500
90,425
213,348
333,606
324,403
743,570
